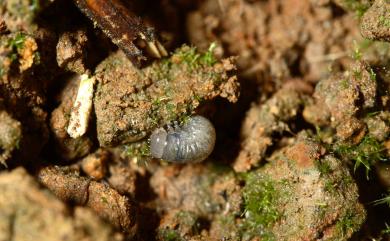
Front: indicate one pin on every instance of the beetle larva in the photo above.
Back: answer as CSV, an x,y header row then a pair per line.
x,y
192,142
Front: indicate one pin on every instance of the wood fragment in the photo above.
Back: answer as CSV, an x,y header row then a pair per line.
x,y
123,27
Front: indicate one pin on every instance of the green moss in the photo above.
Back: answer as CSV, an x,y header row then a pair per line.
x,y
366,153
139,150
321,210
366,49
357,52
359,7
360,47
26,9
346,224
208,58
385,200
169,235
188,61
384,21
344,84
193,59
11,47
323,167
261,199
330,186
184,57
190,220
386,230
372,74
17,42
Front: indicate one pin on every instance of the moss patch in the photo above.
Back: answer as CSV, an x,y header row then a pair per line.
x,y
169,235
366,153
359,7
347,224
139,150
261,197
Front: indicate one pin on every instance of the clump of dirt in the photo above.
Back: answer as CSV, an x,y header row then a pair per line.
x,y
300,147
21,94
199,193
166,91
343,99
302,193
30,212
276,40
376,21
69,186
95,164
262,122
71,51
11,134
22,14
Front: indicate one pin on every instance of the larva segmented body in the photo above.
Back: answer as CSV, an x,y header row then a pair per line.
x,y
192,142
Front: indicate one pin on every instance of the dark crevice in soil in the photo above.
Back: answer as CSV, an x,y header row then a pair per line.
x,y
377,215
337,11
227,116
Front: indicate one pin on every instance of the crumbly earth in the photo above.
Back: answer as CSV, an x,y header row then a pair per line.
x,y
322,198
10,136
22,91
69,186
301,146
130,103
192,196
262,122
29,212
95,165
376,21
21,14
276,40
71,49
303,193
343,99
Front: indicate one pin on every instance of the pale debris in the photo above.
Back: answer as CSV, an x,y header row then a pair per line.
x,y
82,107
154,47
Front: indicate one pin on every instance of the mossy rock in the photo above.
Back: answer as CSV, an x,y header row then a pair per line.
x,y
301,194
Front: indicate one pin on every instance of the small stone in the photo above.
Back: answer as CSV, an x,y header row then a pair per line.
x,y
94,165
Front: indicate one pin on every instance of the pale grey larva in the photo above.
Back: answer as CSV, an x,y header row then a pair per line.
x,y
192,142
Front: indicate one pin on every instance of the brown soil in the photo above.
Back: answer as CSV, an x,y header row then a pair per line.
x,y
297,91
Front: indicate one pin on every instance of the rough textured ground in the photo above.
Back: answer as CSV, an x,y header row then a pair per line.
x,y
297,91
29,212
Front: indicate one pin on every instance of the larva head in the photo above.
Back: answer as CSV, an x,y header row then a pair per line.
x,y
158,142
